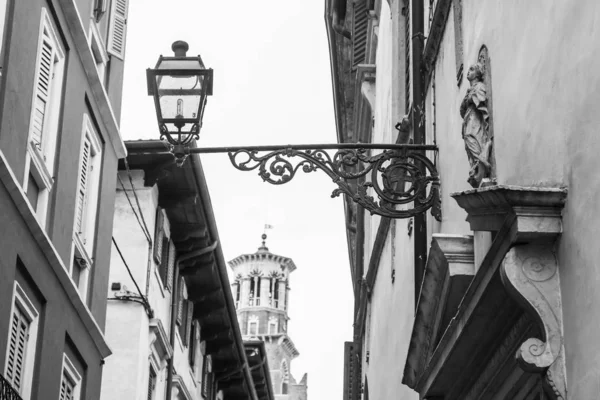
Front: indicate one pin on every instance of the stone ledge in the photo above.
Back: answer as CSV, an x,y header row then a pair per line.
x,y
538,210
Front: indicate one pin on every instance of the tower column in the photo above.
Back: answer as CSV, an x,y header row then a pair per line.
x,y
245,292
264,292
282,295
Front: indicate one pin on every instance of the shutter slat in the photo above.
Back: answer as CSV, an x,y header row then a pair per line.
x,y
16,351
158,235
359,33
83,186
42,89
171,265
118,29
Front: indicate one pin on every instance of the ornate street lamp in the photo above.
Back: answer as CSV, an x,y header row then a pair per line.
x,y
180,85
400,176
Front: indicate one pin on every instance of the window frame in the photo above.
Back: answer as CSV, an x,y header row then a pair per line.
x,y
39,163
253,319
90,217
69,369
21,301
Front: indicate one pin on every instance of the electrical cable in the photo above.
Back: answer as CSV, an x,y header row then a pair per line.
x,y
147,306
142,226
136,199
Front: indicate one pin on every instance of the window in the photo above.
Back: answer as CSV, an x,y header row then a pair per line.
x,y
88,185
86,205
118,28
3,8
253,325
206,376
167,262
98,50
159,233
22,335
70,383
285,377
100,8
151,383
272,325
43,124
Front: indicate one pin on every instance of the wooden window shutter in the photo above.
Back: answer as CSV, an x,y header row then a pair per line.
x,y
43,86
171,265
67,388
164,260
181,302
159,232
84,172
17,344
205,376
352,374
192,346
359,32
189,317
118,28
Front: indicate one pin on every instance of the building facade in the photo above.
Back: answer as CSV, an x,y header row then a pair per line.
x,y
493,296
60,99
261,292
171,320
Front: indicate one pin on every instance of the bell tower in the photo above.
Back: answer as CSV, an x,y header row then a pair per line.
x,y
261,292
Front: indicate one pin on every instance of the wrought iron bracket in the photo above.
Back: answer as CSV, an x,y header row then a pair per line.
x,y
390,180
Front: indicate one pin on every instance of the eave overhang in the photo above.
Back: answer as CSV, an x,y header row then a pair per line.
x,y
263,256
256,354
184,195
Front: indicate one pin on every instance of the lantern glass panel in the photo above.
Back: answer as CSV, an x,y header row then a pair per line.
x,y
179,99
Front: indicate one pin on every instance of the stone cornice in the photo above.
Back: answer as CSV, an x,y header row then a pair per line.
x,y
538,210
246,258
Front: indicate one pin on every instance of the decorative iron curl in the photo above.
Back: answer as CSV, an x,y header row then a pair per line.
x,y
397,177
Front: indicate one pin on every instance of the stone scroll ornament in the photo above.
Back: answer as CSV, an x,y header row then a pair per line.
x,y
530,274
476,132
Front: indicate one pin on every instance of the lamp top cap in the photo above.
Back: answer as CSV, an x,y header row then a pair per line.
x,y
180,48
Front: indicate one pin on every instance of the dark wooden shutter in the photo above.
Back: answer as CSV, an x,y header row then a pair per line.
x,y
205,376
159,232
180,304
359,32
352,374
189,317
171,265
164,261
118,28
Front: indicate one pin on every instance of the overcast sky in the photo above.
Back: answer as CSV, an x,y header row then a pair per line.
x,y
272,85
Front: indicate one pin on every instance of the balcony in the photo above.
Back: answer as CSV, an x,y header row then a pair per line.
x,y
7,392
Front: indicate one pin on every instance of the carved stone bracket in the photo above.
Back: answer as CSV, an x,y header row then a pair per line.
x,y
530,273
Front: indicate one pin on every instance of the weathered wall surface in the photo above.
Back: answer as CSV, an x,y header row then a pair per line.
x,y
545,93
391,308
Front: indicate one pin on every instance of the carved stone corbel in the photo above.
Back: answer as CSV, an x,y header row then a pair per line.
x,y
530,273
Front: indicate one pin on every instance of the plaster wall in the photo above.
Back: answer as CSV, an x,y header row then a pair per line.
x,y
130,340
60,329
391,307
545,82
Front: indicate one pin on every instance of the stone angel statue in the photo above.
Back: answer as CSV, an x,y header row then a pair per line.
x,y
475,128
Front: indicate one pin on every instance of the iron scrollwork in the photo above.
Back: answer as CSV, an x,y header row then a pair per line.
x,y
399,175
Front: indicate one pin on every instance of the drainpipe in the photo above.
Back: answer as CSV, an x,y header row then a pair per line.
x,y
418,114
175,301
